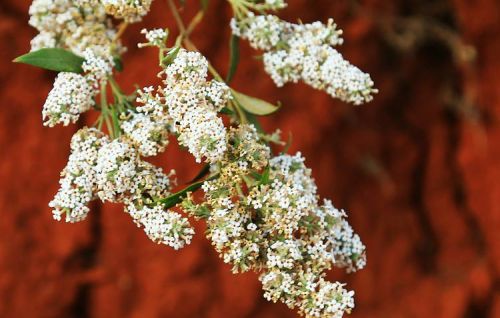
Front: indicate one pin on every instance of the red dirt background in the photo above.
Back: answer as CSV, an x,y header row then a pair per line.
x,y
417,169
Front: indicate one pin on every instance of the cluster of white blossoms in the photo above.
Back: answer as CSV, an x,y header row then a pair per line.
x,y
190,103
77,182
148,133
263,212
304,52
164,227
272,222
116,168
129,10
113,171
155,37
68,25
72,95
86,31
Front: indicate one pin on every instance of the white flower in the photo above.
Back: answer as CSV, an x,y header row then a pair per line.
x,y
203,133
43,40
78,180
303,52
65,24
149,135
129,10
330,300
217,94
283,254
192,104
97,68
163,227
71,96
116,169
156,37
188,69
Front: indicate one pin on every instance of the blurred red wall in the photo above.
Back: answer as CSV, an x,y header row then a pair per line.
x,y
417,169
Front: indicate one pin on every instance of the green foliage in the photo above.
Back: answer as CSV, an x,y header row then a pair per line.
x,y
254,105
170,57
55,59
202,173
234,53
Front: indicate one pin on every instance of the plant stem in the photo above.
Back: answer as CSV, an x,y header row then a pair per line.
x,y
105,110
177,17
121,29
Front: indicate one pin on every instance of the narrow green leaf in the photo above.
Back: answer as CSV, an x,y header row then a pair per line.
x,y
118,63
254,105
226,111
234,49
252,119
55,59
204,4
176,198
264,179
170,57
203,172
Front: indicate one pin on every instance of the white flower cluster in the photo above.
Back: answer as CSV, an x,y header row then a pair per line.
x,y
85,31
97,68
112,171
191,103
116,168
289,197
72,95
156,37
129,10
78,184
148,133
263,213
304,52
64,24
321,298
272,222
163,227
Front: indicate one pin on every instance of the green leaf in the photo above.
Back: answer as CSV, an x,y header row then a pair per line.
x,y
176,198
203,172
252,119
234,49
170,57
264,178
254,105
204,5
226,111
118,63
58,60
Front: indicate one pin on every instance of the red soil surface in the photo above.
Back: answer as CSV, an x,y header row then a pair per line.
x,y
417,169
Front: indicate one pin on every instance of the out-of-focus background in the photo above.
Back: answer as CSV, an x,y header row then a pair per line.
x,y
418,170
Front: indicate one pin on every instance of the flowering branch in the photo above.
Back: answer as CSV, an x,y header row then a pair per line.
x,y
262,209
